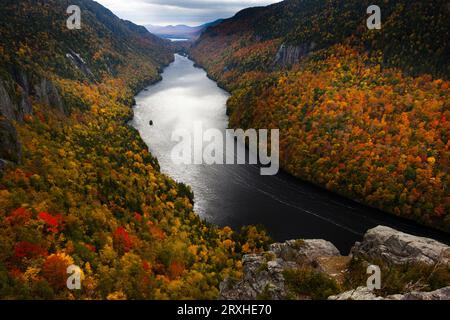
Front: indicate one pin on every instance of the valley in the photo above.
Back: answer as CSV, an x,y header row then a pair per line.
x,y
87,181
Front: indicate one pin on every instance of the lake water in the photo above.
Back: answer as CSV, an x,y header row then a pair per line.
x,y
237,195
177,39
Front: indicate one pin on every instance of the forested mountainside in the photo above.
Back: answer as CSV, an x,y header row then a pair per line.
x,y
364,113
77,184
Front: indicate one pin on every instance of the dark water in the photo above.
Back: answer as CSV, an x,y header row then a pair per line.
x,y
237,195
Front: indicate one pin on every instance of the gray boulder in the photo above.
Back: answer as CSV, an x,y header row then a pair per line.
x,y
395,247
263,273
360,293
363,293
440,294
300,250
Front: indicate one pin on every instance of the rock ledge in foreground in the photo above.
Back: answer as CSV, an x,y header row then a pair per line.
x,y
395,247
264,273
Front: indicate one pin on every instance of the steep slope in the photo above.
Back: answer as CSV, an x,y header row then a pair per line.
x,y
35,49
414,35
361,112
42,43
81,187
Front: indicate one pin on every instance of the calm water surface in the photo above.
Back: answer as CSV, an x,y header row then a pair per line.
x,y
238,195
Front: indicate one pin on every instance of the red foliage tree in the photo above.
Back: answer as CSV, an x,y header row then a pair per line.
x,y
54,271
29,250
122,240
138,217
176,269
145,265
19,216
53,222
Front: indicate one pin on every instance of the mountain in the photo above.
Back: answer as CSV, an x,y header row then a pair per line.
x,y
31,56
181,31
361,112
79,188
305,26
78,185
108,41
178,31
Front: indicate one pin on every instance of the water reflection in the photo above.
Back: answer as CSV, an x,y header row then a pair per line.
x,y
238,195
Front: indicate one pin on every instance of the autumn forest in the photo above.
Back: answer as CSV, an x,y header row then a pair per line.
x,y
362,113
357,113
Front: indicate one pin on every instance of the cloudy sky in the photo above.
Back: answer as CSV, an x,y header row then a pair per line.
x,y
190,12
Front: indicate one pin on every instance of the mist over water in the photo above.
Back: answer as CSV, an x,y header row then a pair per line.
x,y
237,195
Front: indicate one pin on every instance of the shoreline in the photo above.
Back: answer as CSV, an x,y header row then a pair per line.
x,y
403,224
442,235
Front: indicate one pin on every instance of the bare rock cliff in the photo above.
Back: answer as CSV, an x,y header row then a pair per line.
x,y
264,275
16,94
288,55
396,247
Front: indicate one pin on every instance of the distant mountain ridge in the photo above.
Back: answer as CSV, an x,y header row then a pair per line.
x,y
181,31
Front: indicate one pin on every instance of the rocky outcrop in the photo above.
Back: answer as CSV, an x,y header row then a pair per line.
x,y
81,65
47,94
363,293
260,274
7,108
24,104
440,294
300,250
396,247
10,148
15,96
360,293
263,273
288,55
17,92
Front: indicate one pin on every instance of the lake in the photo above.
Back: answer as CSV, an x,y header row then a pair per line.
x,y
237,195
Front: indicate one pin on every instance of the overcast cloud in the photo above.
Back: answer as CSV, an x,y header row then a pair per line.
x,y
190,12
